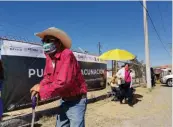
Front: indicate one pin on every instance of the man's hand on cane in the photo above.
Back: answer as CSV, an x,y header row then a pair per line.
x,y
34,97
35,90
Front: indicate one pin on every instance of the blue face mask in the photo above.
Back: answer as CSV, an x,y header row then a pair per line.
x,y
49,48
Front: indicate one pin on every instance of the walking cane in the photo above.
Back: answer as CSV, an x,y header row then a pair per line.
x,y
34,101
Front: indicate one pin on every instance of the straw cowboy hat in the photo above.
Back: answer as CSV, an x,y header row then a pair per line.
x,y
65,39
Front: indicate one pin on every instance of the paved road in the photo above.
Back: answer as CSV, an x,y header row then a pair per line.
x,y
153,109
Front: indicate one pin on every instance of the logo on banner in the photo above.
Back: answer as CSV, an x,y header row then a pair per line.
x,y
33,50
41,51
90,58
81,57
12,48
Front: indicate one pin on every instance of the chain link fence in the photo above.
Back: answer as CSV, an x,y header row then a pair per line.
x,y
138,68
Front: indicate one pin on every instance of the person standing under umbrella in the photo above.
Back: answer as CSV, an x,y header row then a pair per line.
x,y
125,75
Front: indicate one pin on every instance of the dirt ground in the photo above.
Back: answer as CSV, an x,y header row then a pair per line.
x,y
152,109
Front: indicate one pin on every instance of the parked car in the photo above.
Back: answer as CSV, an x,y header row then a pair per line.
x,y
167,80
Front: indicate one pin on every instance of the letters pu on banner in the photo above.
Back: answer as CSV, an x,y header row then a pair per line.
x,y
24,64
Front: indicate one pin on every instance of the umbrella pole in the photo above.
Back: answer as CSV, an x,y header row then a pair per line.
x,y
112,67
115,64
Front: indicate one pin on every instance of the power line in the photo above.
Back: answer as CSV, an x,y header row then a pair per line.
x,y
155,28
161,17
163,23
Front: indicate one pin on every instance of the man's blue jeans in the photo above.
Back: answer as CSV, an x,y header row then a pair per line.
x,y
72,113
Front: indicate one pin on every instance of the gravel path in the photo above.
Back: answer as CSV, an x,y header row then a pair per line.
x,y
153,109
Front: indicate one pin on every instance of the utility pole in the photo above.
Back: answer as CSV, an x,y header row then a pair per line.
x,y
147,57
99,46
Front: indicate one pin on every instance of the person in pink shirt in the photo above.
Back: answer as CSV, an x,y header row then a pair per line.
x,y
126,83
62,77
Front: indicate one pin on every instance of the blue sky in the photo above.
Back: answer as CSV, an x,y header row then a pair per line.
x,y
114,24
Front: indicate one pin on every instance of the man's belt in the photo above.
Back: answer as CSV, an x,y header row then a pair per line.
x,y
73,98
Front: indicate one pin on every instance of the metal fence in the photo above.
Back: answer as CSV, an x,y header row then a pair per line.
x,y
137,68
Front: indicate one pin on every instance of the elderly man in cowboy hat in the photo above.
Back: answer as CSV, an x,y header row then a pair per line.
x,y
62,77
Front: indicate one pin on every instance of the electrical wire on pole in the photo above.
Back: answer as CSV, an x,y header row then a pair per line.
x,y
159,38
161,17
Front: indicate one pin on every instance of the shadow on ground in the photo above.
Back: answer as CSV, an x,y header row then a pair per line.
x,y
136,98
5,115
29,125
37,125
165,86
99,98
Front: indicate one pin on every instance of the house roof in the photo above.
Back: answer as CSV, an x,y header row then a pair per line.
x,y
164,66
